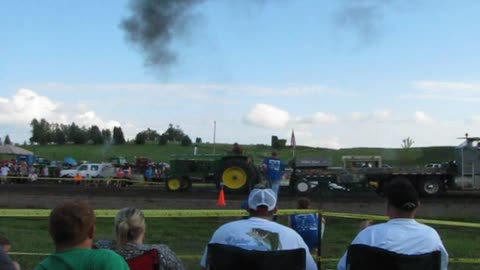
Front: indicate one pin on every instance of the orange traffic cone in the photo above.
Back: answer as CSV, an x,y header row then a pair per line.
x,y
221,198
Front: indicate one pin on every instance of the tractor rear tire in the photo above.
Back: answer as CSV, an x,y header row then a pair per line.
x,y
186,183
235,176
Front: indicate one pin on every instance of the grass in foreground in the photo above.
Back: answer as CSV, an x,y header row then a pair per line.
x,y
188,237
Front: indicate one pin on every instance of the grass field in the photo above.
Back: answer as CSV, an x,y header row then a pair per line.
x,y
188,236
97,153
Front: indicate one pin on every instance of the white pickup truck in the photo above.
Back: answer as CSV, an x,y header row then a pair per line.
x,y
90,170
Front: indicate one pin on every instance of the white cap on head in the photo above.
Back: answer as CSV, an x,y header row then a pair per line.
x,y
262,197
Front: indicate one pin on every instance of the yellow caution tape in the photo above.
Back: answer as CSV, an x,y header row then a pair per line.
x,y
151,213
422,220
464,260
194,213
83,179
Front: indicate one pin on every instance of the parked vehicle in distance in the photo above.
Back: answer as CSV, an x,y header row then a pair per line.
x,y
462,173
433,165
90,170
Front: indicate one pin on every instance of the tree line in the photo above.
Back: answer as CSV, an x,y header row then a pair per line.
x,y
6,141
44,133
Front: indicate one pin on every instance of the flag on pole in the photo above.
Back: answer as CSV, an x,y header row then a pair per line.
x,y
293,143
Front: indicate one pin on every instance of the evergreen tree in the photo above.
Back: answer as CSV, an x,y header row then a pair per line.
x,y
59,136
1,141
107,135
95,135
77,135
7,140
40,131
118,137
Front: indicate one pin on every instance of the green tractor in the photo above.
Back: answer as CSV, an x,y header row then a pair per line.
x,y
236,173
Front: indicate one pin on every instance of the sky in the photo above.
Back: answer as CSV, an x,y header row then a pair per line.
x,y
340,73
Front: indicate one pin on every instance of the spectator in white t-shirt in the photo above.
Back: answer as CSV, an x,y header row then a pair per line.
x,y
4,173
259,232
402,233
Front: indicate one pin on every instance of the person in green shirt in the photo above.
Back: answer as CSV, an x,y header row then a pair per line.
x,y
72,228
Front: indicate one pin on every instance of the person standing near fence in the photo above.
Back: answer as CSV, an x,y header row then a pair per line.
x,y
307,225
4,173
274,168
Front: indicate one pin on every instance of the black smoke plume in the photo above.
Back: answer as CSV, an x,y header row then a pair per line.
x,y
366,17
154,24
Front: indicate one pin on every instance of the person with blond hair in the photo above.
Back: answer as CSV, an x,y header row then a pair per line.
x,y
130,228
72,228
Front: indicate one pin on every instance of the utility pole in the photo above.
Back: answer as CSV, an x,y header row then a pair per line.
x,y
214,134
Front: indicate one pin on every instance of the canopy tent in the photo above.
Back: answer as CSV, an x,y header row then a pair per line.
x,y
13,150
70,161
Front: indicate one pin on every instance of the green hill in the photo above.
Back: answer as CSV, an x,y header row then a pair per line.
x,y
392,156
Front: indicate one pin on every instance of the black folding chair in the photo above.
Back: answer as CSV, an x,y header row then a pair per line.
x,y
363,257
227,257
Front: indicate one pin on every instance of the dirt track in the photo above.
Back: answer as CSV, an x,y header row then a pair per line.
x,y
456,205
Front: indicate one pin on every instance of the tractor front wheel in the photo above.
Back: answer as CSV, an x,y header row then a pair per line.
x,y
174,184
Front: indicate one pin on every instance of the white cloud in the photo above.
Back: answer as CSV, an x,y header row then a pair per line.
x,y
473,120
447,91
324,142
359,116
423,118
378,115
205,89
382,115
264,115
442,86
323,118
316,118
26,104
89,118
304,135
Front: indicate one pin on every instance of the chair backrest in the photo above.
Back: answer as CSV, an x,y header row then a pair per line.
x,y
146,261
227,257
360,257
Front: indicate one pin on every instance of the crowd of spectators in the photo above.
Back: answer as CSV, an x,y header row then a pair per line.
x,y
13,171
72,227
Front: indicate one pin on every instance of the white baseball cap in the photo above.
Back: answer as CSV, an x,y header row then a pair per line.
x,y
262,197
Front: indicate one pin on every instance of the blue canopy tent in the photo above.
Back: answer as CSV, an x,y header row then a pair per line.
x,y
70,161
